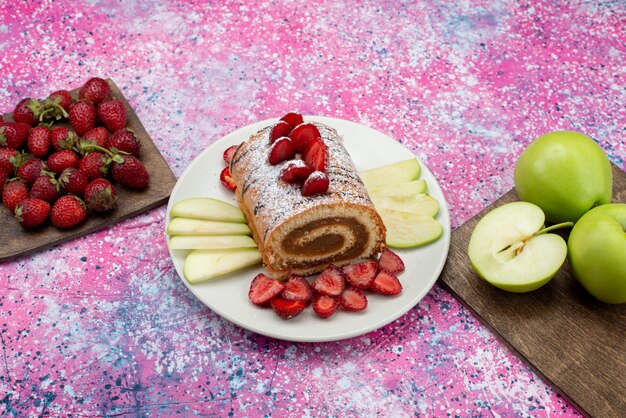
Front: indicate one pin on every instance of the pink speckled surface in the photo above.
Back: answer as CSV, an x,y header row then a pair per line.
x,y
103,325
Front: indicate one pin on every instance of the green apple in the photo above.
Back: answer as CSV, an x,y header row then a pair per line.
x,y
399,189
409,230
211,242
186,226
509,249
565,173
421,204
207,208
597,252
201,265
399,172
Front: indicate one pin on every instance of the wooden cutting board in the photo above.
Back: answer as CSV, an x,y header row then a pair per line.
x,y
17,241
574,341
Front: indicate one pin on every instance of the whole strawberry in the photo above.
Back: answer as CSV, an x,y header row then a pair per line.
x,y
31,169
32,212
38,141
60,160
13,134
82,116
98,136
112,113
27,111
62,137
74,181
4,176
14,191
62,98
129,171
94,165
68,211
94,90
7,160
45,188
125,140
100,195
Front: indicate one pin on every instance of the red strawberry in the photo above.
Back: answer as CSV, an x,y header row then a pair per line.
x,y
316,183
82,117
100,195
297,288
330,282
360,275
13,134
130,172
314,155
302,135
325,306
295,171
30,170
62,98
391,262
94,165
4,176
112,113
74,181
62,138
8,158
98,136
352,299
38,141
68,211
14,191
263,288
60,160
386,284
293,119
282,149
227,179
45,188
27,111
279,130
95,90
124,140
229,153
287,309
32,212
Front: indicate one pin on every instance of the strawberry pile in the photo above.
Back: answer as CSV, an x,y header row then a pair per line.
x,y
59,156
335,287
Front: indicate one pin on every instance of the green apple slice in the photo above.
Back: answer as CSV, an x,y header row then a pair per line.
x,y
509,249
409,230
402,171
211,242
187,226
400,189
201,265
207,208
422,204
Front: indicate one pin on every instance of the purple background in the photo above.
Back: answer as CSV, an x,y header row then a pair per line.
x,y
103,325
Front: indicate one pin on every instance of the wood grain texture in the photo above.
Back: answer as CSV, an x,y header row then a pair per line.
x,y
568,337
17,241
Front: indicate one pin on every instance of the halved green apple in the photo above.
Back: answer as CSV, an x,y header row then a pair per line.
x,y
421,204
201,265
207,208
211,242
409,230
400,172
187,226
405,188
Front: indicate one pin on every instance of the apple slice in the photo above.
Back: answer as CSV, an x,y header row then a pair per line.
x,y
207,208
201,265
509,249
402,171
211,242
422,204
409,230
187,226
400,189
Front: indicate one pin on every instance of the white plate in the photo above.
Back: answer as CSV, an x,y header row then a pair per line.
x,y
228,296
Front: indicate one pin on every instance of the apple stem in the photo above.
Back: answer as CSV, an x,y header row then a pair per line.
x,y
553,227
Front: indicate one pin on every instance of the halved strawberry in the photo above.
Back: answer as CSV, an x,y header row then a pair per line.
x,y
227,179
303,134
282,149
287,309
297,288
279,130
228,153
314,155
360,275
295,171
293,119
325,306
263,288
390,262
386,284
330,282
316,183
352,299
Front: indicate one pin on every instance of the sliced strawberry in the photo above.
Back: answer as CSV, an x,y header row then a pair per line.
x,y
263,288
316,183
303,134
360,275
325,306
386,284
295,171
293,119
287,309
229,152
330,282
297,288
390,262
279,130
352,299
282,149
227,179
314,155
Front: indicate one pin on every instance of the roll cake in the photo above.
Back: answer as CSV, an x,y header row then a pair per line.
x,y
303,235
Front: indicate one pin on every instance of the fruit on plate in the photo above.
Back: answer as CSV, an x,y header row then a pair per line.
x,y
402,171
597,252
409,188
207,208
185,226
201,265
511,249
420,204
211,242
565,173
409,230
